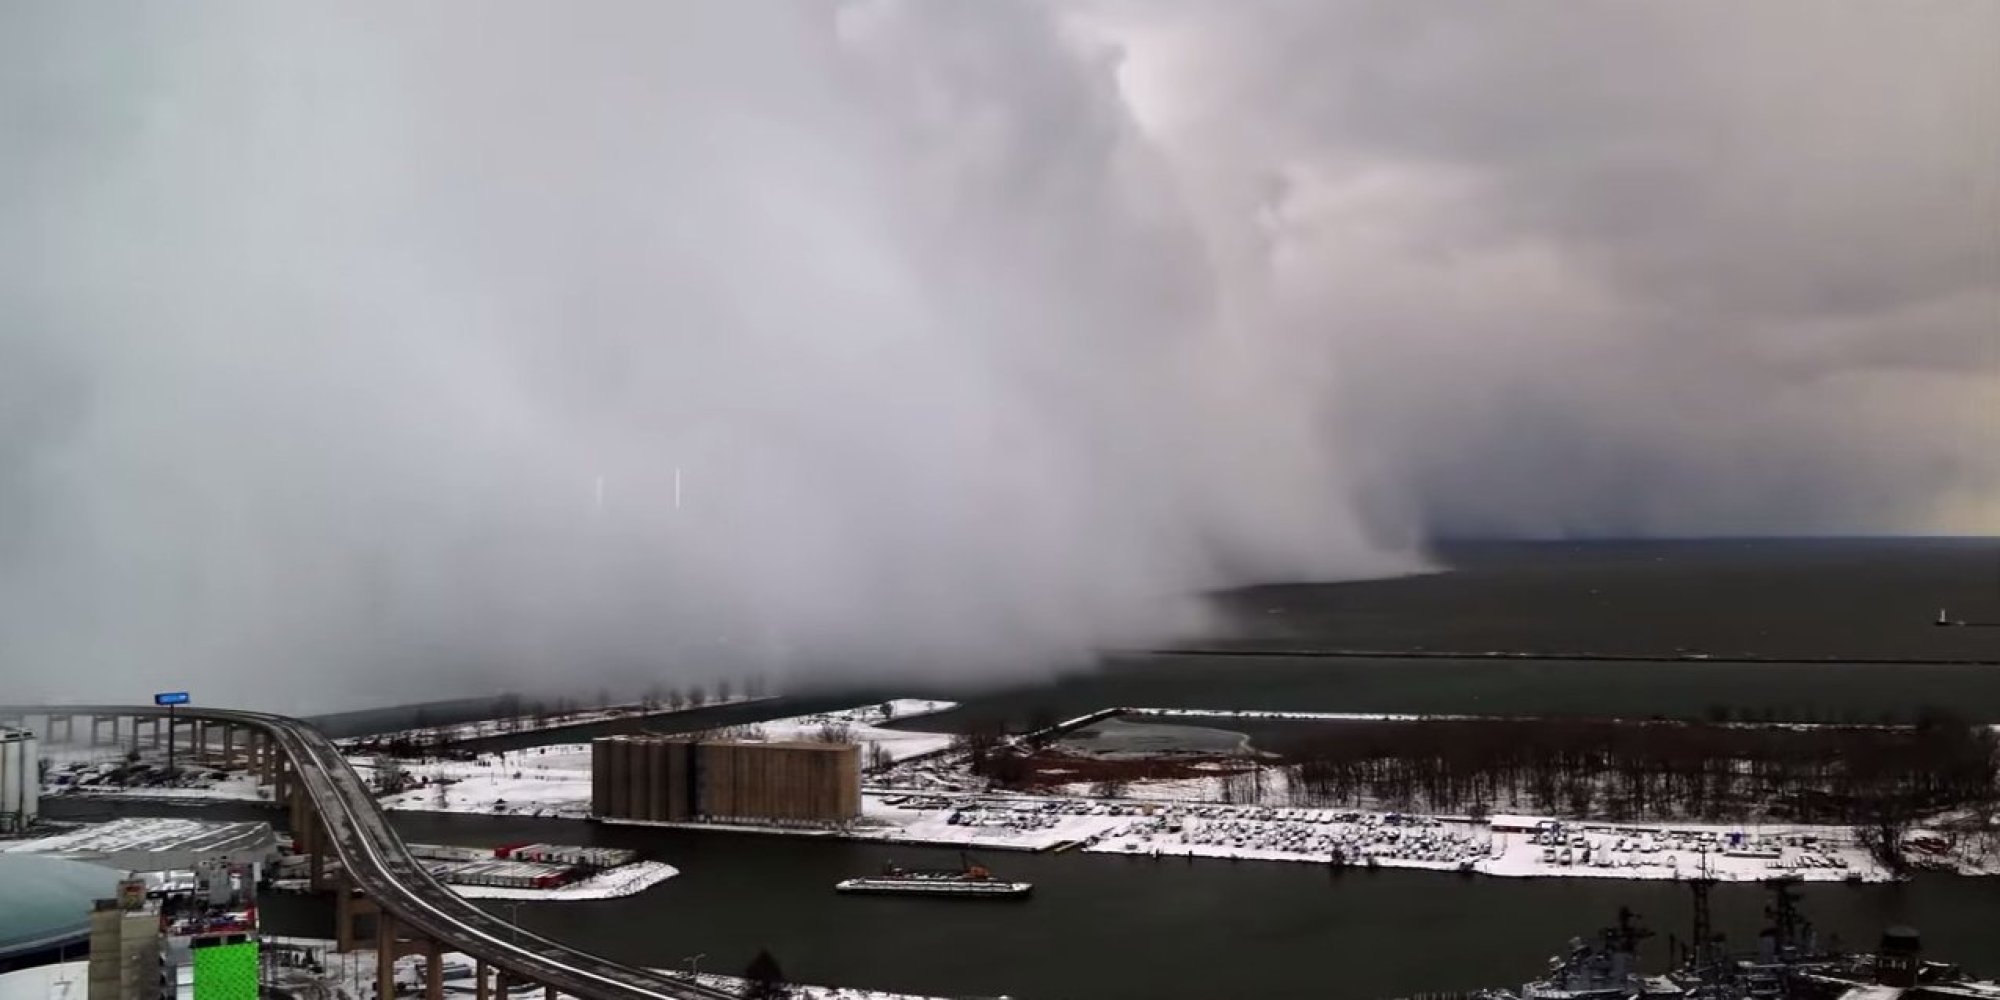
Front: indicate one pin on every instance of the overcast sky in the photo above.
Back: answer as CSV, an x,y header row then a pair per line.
x,y
977,334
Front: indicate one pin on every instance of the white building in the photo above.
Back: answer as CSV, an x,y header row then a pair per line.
x,y
20,779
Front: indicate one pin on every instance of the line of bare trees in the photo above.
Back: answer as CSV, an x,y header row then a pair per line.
x,y
1624,770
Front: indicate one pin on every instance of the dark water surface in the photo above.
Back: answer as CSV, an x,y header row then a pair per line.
x,y
1113,927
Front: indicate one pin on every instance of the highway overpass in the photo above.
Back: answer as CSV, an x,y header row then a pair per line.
x,y
331,807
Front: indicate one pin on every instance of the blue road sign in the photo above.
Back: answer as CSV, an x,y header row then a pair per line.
x,y
171,698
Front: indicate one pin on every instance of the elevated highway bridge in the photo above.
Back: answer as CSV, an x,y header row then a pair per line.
x,y
378,881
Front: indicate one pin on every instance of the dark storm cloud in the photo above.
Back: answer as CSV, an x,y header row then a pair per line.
x,y
893,350
970,337
1616,268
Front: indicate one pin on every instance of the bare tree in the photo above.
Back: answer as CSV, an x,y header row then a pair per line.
x,y
763,979
390,777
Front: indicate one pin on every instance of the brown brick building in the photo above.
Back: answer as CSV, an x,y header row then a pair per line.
x,y
666,779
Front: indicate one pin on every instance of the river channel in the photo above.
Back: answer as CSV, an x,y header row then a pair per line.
x,y
1103,927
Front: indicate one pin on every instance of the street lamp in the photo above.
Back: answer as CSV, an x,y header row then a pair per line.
x,y
514,918
170,699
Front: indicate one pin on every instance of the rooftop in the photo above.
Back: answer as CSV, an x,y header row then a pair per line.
x,y
49,900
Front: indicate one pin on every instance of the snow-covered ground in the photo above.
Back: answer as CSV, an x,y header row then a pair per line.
x,y
1241,713
87,771
514,725
863,725
893,710
1180,829
235,787
625,880
150,833
1015,823
541,781
352,975
1963,845
554,780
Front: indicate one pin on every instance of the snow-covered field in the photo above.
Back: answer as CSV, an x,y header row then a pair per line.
x,y
352,975
541,781
863,725
554,781
151,833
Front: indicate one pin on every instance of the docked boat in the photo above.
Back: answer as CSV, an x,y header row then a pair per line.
x,y
969,880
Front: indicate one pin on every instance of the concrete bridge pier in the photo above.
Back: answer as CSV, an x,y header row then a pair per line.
x,y
350,908
268,758
433,971
394,941
97,723
309,838
189,743
67,725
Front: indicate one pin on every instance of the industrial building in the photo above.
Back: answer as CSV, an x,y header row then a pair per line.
x,y
20,780
125,953
202,944
668,779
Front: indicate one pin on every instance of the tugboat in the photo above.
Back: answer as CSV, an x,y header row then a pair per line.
x,y
969,880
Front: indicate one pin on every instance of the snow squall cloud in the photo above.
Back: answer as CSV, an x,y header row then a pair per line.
x,y
979,334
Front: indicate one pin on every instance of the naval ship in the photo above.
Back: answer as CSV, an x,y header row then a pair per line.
x,y
1789,963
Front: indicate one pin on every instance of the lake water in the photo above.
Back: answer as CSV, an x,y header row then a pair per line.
x,y
1112,927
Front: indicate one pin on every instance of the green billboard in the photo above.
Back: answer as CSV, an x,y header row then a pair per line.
x,y
226,971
